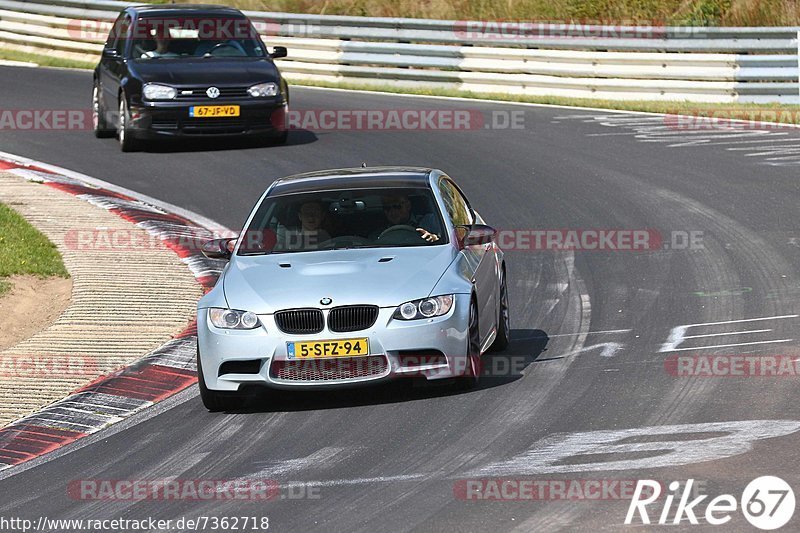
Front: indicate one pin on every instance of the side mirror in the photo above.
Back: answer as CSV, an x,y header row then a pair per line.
x,y
110,53
476,234
218,248
279,52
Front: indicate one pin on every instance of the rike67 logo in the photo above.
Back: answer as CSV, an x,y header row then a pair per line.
x,y
767,503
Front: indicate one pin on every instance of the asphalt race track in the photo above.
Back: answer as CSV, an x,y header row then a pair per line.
x,y
590,397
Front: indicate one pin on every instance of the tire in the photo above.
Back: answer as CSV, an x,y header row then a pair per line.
x,y
99,122
472,374
503,319
127,143
215,401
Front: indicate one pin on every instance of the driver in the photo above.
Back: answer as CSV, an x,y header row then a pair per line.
x,y
398,213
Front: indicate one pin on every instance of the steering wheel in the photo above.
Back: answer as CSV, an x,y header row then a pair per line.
x,y
223,45
344,240
398,228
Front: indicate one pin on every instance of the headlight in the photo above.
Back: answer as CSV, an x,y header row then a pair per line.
x,y
263,89
233,319
155,91
425,308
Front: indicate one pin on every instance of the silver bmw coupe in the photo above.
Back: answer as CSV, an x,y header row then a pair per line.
x,y
352,276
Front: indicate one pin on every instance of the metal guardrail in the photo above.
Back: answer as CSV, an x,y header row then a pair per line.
x,y
636,63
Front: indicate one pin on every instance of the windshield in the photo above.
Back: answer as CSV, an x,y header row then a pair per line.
x,y
362,218
175,38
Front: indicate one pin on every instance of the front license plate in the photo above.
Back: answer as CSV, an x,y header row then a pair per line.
x,y
335,348
214,111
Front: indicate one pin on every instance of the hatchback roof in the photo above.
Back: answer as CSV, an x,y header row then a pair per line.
x,y
351,178
192,9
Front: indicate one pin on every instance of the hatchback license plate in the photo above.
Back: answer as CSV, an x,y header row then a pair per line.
x,y
213,111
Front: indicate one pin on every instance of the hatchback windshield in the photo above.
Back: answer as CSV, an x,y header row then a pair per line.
x,y
183,37
362,218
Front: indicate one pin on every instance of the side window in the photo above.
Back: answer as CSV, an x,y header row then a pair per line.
x,y
122,29
111,42
455,204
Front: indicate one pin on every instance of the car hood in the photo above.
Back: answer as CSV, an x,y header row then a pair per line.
x,y
206,71
262,285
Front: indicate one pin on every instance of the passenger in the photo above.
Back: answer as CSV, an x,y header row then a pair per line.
x,y
311,233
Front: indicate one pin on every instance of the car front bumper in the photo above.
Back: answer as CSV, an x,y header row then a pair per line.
x,y
153,120
397,349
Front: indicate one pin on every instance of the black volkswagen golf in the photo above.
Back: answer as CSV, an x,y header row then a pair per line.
x,y
187,70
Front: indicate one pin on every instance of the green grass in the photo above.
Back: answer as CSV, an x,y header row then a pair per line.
x,y
43,60
659,12
24,250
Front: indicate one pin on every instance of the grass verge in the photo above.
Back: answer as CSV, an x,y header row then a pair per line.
x,y
24,250
43,60
783,113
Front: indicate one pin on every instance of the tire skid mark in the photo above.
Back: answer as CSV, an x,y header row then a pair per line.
x,y
158,375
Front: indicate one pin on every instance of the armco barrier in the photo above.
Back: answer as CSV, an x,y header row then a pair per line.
x,y
636,63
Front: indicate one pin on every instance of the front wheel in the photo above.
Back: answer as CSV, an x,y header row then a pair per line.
x,y
472,372
215,401
127,143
